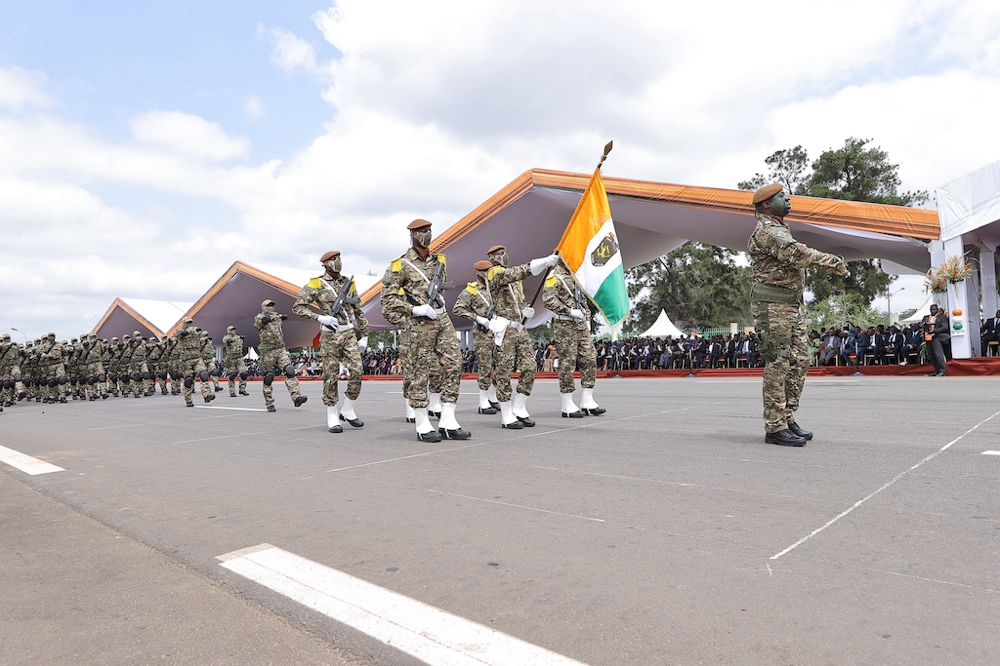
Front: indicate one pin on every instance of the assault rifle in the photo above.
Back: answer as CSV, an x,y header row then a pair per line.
x,y
437,285
343,299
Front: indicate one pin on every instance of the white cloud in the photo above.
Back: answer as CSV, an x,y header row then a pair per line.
x,y
188,135
289,51
20,88
253,108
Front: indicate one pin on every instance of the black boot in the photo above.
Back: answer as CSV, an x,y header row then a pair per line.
x,y
800,431
454,434
784,438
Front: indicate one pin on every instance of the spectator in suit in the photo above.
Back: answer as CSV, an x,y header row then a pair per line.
x,y
880,340
936,333
894,346
990,331
832,344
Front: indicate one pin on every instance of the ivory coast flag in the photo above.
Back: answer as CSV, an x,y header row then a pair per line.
x,y
589,246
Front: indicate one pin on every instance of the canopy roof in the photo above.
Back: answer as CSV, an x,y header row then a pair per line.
x,y
921,312
127,315
972,203
662,328
529,215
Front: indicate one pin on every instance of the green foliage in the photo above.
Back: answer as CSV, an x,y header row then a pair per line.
x,y
375,337
787,167
699,286
840,309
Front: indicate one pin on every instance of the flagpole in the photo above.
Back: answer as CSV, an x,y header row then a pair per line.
x,y
607,149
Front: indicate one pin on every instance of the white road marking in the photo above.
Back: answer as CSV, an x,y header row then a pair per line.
x,y
991,453
892,481
431,635
235,409
415,455
26,463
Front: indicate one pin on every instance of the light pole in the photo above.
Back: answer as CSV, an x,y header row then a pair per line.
x,y
888,302
22,333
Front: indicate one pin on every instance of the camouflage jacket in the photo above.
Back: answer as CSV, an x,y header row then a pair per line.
x,y
323,291
405,285
207,351
269,327
188,343
562,294
472,302
233,346
505,287
777,259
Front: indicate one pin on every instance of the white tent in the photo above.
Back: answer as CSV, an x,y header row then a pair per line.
x,y
921,312
662,327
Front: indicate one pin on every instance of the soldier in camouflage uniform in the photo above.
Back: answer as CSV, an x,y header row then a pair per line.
x,y
778,266
111,354
475,304
516,352
142,384
344,337
154,356
573,342
56,370
208,355
274,357
190,363
431,340
7,364
96,369
174,365
232,346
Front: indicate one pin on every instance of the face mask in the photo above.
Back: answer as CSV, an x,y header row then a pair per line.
x,y
501,259
333,265
781,205
268,309
421,237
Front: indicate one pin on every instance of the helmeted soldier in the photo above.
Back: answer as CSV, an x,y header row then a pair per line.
x,y
412,292
190,362
236,367
274,357
96,372
344,336
56,370
573,342
208,355
476,305
515,350
778,264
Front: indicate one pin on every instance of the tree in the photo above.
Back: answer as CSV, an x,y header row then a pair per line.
x,y
784,166
699,286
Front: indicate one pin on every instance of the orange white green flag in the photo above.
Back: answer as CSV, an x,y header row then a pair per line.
x,y
589,246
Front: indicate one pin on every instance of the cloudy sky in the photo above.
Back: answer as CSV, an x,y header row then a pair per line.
x,y
144,147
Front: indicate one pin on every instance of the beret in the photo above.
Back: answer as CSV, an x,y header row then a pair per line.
x,y
329,255
418,224
482,265
766,192
495,248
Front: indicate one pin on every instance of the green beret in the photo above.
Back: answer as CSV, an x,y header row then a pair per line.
x,y
766,192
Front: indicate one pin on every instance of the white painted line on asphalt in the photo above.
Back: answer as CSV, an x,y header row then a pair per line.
x,y
415,455
129,425
235,409
209,439
517,506
991,453
892,481
26,463
433,636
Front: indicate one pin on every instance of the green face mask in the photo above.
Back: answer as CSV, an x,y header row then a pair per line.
x,y
781,205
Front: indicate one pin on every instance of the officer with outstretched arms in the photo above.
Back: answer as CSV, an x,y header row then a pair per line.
x,y
778,264
344,336
232,346
574,344
274,357
412,291
514,348
475,304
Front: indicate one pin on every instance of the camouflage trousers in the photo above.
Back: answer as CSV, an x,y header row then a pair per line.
x,y
515,353
576,350
239,366
213,371
275,361
144,383
485,353
61,389
337,348
191,368
785,348
433,356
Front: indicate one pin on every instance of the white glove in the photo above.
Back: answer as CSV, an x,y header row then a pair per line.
x,y
483,321
327,320
424,310
363,344
496,325
528,312
539,265
576,314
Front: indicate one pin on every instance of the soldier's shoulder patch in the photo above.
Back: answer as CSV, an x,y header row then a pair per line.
x,y
396,265
401,292
493,272
472,288
314,283
443,259
551,280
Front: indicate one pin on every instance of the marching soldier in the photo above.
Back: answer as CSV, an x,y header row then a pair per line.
x,y
232,345
344,336
7,363
208,356
475,304
96,369
778,266
56,370
274,357
411,293
190,362
515,349
573,342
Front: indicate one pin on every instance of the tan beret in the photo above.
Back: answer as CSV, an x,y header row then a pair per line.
x,y
482,265
495,248
418,224
766,192
329,255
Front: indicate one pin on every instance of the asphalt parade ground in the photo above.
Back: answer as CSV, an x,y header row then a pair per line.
x,y
137,531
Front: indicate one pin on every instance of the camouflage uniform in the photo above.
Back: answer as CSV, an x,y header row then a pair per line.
x,y
232,345
208,356
432,343
778,266
174,365
138,368
190,363
338,345
8,351
515,351
274,357
56,371
573,341
471,303
95,368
